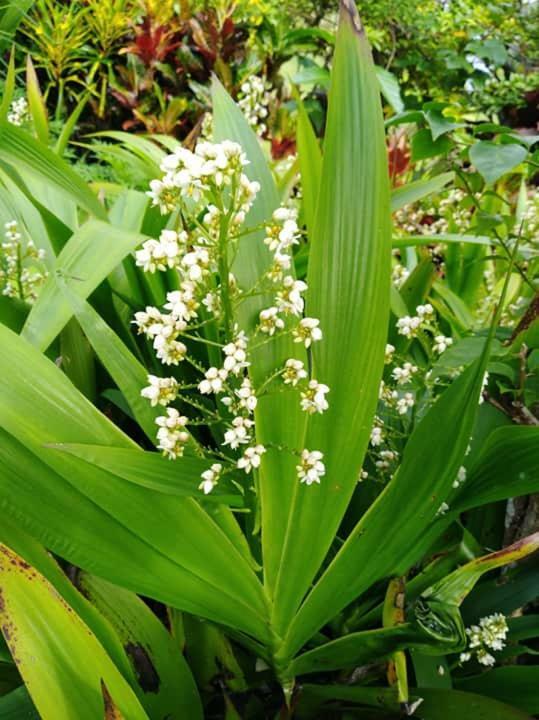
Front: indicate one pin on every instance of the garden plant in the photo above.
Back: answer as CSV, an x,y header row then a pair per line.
x,y
269,409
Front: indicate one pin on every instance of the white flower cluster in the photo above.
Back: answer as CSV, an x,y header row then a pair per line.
x,y
214,196
490,634
410,325
22,273
404,374
18,112
254,99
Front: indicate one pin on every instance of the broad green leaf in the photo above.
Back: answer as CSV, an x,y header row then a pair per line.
x,y
89,256
127,372
204,572
517,685
12,13
78,359
142,147
424,146
152,470
432,703
59,658
414,191
279,419
9,84
167,686
440,124
508,466
389,85
349,281
37,107
408,505
19,149
310,163
493,160
69,126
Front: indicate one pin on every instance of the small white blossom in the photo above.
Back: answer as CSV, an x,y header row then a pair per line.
x,y
210,478
270,322
311,468
377,436
160,391
307,331
461,476
424,310
251,458
236,355
239,433
246,395
444,507
171,434
161,254
404,403
390,349
289,298
294,371
408,326
441,343
213,382
404,374
313,398
485,658
182,303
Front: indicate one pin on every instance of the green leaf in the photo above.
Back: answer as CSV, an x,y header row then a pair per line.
x,y
440,124
508,466
414,191
21,150
433,703
279,419
69,126
88,257
389,85
424,146
349,281
493,160
36,105
9,84
410,241
412,498
13,12
167,686
59,658
18,705
152,470
518,686
127,372
310,163
110,531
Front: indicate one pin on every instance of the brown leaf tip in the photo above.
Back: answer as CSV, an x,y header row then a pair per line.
x,y
349,9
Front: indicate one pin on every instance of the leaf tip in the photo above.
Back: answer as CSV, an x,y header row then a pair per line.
x,y
349,13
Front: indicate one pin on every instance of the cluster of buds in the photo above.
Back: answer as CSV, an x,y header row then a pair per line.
x,y
213,196
18,112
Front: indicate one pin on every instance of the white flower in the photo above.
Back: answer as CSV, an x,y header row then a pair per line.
x,y
465,656
377,436
18,112
289,298
444,507
390,349
251,458
182,303
239,433
408,326
313,398
294,371
461,476
213,382
494,631
311,468
270,322
485,658
247,395
424,310
163,194
161,254
212,303
404,374
483,387
236,355
169,350
195,264
171,434
404,403
307,331
441,343
160,391
210,478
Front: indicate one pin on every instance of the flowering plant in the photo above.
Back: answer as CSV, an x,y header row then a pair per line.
x,y
263,469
